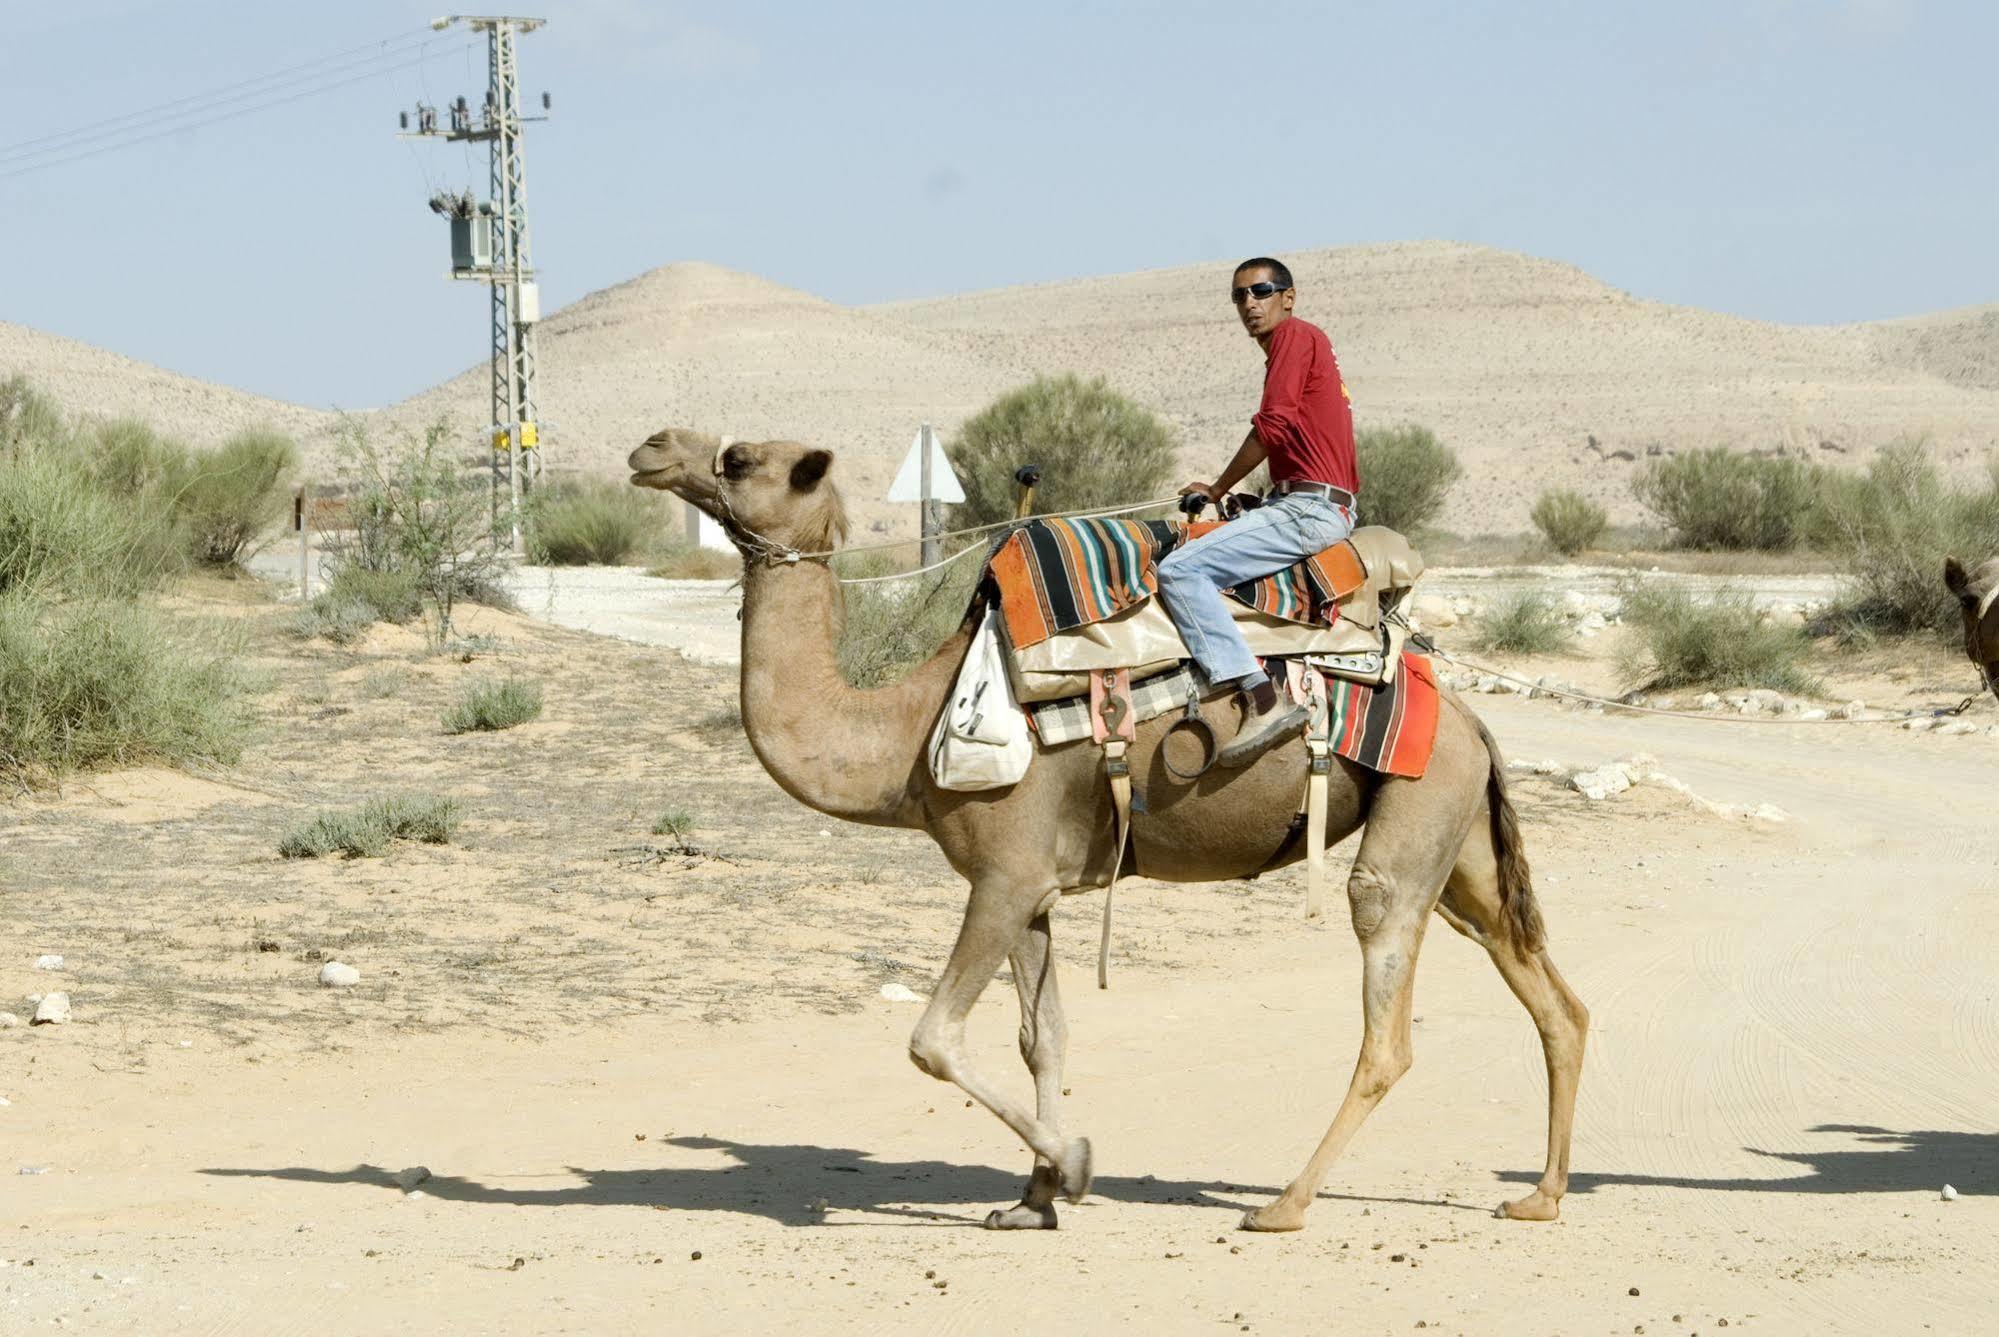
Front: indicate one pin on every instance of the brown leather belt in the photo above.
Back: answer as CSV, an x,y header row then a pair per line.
x,y
1338,495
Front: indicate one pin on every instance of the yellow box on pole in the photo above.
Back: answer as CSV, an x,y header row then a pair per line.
x,y
530,436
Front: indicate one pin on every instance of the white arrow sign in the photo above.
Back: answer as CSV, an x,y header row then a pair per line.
x,y
909,481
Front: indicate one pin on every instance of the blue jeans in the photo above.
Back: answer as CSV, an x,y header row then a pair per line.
x,y
1275,535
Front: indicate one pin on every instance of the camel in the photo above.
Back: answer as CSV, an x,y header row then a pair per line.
x,y
1448,842
1977,595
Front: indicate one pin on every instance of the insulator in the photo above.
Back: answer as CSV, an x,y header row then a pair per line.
x,y
403,119
546,104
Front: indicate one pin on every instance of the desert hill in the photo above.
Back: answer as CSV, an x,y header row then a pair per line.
x,y
91,380
1536,372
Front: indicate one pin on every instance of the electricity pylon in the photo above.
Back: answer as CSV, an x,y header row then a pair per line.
x,y
490,245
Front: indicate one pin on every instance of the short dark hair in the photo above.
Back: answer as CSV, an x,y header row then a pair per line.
x,y
1278,272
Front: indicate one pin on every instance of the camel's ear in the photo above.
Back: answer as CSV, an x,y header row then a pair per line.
x,y
811,467
1955,579
738,463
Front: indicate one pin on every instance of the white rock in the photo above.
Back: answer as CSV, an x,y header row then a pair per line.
x,y
414,1195
4,1102
408,1179
1574,604
1853,710
1949,1193
825,833
1592,622
338,975
1812,715
897,992
1957,728
1487,685
1601,783
49,961
1920,725
52,1010
8,1021
1769,812
1708,701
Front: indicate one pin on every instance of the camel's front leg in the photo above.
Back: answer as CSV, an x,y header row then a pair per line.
x,y
1389,944
1044,1039
996,918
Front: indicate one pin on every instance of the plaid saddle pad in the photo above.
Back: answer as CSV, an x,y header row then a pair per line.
x,y
1057,575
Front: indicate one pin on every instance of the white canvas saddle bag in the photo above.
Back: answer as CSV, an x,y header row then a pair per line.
x,y
982,740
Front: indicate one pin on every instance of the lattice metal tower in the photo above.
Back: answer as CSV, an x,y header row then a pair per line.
x,y
501,257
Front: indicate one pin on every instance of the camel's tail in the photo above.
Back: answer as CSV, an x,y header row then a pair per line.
x,y
1516,880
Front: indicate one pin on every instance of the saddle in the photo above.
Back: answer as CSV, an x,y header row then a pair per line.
x,y
1370,574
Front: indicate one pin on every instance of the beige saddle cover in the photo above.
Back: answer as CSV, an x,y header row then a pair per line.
x,y
1144,639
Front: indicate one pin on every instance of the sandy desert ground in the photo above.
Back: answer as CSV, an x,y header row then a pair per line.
x,y
656,1087
1536,373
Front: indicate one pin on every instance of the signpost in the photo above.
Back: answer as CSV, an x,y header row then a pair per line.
x,y
926,476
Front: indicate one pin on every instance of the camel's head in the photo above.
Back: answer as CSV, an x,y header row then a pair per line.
x,y
762,492
1977,595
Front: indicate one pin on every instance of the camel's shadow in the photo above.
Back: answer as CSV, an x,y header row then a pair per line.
x,y
1891,1162
785,1183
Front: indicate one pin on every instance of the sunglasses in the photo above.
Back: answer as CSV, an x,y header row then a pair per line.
x,y
1257,290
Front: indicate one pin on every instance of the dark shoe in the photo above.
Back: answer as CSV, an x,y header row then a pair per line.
x,y
1261,732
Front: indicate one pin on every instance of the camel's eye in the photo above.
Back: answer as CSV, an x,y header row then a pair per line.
x,y
737,464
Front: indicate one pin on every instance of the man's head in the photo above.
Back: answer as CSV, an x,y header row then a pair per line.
x,y
1263,295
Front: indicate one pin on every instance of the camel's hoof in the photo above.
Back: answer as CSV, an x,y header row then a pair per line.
x,y
1273,1217
1536,1206
1026,1216
1076,1170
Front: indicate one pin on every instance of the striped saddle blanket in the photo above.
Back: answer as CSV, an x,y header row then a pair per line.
x,y
1057,575
1391,729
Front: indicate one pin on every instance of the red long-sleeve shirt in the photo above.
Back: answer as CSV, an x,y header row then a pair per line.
x,y
1306,419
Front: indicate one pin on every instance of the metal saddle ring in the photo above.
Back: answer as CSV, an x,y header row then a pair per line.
x,y
1191,721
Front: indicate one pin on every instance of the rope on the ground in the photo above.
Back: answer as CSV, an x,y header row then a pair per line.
x,y
1431,647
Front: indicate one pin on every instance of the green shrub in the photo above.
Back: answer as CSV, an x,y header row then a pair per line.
x,y
1526,622
489,704
1723,499
1405,474
355,599
28,418
1894,525
588,522
418,513
234,493
367,831
889,627
675,822
1095,448
1569,521
95,682
62,532
132,460
1719,641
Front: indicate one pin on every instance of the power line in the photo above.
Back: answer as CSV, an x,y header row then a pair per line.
x,y
98,129
9,173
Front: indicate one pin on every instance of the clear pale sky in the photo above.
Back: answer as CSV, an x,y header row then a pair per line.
x,y
1787,160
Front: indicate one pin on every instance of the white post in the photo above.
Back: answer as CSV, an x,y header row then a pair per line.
x,y
928,508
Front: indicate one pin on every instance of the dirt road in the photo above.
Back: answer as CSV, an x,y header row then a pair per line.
x,y
1794,1045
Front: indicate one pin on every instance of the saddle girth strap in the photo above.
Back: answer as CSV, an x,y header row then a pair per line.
x,y
1317,779
1112,726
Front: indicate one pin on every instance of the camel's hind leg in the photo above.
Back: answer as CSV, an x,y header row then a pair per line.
x,y
997,915
1044,1039
1414,828
1472,905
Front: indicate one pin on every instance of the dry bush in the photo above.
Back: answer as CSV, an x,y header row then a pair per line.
x,y
1895,524
589,522
1721,640
1526,622
892,626
1405,475
1096,448
1724,499
368,831
490,705
1571,522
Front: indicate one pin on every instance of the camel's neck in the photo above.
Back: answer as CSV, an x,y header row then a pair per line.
x,y
851,753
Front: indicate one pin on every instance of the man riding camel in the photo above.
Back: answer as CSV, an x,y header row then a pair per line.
x,y
1304,428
